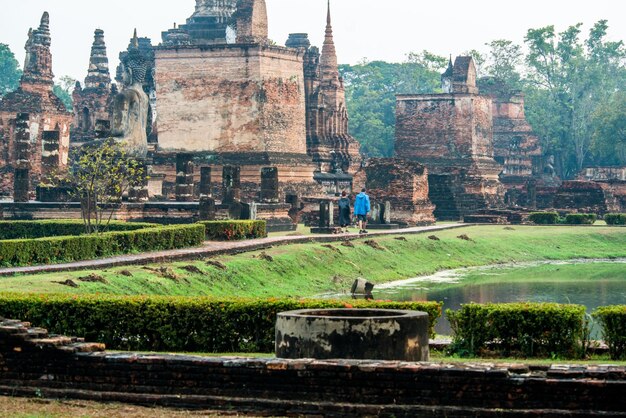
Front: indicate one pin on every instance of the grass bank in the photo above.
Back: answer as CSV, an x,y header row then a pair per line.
x,y
308,269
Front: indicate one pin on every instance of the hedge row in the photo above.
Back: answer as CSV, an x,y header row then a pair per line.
x,y
544,218
519,329
55,228
613,321
615,218
85,247
581,218
234,230
174,324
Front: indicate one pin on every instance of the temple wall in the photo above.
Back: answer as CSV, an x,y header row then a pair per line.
x,y
235,98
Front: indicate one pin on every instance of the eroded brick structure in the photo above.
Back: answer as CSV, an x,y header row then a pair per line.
x,y
34,123
452,135
404,184
92,113
233,104
516,147
328,141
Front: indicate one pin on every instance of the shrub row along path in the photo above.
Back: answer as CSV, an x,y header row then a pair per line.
x,y
212,248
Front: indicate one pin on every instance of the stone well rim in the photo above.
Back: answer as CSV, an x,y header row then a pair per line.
x,y
343,314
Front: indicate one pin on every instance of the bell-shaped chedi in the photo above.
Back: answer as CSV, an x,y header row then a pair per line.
x,y
34,140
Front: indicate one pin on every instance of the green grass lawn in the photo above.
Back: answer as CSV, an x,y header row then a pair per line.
x,y
301,270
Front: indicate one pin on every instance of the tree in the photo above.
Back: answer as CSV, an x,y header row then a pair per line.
x,y
63,90
609,131
99,177
10,72
567,82
503,62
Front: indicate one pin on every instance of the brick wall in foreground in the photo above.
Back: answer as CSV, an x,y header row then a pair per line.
x,y
33,362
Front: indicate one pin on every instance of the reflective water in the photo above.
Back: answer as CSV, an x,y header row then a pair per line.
x,y
589,284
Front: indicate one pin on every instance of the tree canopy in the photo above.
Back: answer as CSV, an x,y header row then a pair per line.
x,y
10,72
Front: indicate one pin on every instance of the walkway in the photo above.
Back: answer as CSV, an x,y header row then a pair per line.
x,y
211,249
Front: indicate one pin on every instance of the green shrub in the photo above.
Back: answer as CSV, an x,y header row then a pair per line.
x,y
84,247
234,230
615,218
581,219
526,329
174,324
55,228
613,321
544,218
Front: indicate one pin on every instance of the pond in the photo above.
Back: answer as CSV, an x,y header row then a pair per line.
x,y
591,283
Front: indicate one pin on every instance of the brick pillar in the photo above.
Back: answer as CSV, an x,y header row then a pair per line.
x,y
269,185
231,184
140,193
21,179
184,178
50,156
205,182
207,203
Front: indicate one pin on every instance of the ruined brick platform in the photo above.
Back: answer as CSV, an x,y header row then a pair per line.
x,y
32,362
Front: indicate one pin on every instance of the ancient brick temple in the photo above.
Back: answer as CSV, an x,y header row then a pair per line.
x,y
452,135
34,123
228,97
328,140
92,113
516,147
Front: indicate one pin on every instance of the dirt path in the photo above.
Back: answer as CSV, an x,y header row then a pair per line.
x,y
208,249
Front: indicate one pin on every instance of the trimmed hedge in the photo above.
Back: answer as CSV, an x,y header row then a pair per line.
x,y
615,218
234,230
613,321
174,324
85,247
544,218
526,329
581,218
55,228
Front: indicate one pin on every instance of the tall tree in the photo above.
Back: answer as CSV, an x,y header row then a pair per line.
x,y
10,72
568,80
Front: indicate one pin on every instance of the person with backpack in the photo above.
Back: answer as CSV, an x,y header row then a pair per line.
x,y
345,212
362,208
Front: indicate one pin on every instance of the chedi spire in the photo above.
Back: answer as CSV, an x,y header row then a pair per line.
x,y
38,62
98,75
328,60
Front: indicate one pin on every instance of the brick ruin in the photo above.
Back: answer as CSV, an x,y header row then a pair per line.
x,y
516,147
92,112
34,123
239,101
404,185
452,135
36,363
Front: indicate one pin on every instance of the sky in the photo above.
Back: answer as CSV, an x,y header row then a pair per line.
x,y
364,29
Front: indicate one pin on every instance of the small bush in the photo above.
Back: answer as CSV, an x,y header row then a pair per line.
x,y
55,228
615,218
581,219
544,218
197,324
613,321
234,230
21,252
522,329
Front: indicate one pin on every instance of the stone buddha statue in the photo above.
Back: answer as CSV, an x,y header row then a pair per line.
x,y
131,105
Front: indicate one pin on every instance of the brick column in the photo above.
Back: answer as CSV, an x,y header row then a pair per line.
x,y
184,178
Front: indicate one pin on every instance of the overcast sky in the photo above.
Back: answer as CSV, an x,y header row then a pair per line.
x,y
371,29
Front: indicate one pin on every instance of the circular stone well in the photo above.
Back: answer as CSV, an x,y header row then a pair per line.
x,y
372,334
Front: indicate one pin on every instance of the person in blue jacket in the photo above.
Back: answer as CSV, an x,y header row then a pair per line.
x,y
361,210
